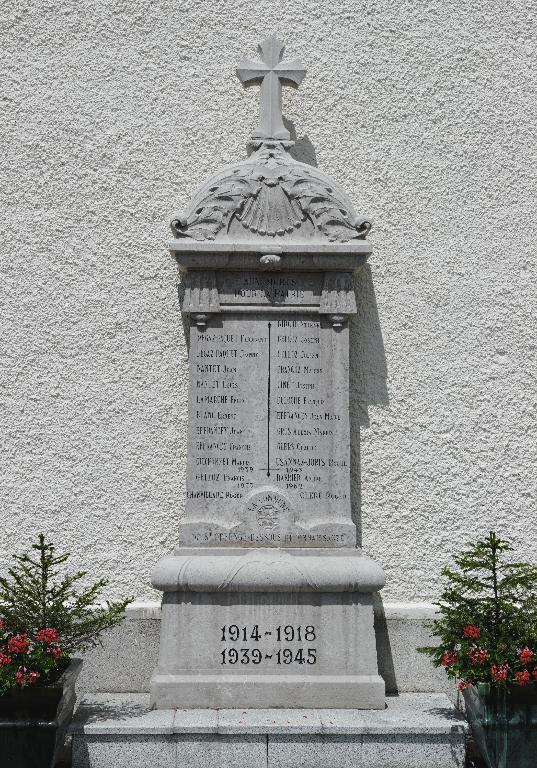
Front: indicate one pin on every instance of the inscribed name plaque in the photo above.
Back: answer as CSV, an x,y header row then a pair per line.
x,y
268,451
267,599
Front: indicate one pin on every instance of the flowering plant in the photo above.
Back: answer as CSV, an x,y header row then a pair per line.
x,y
44,620
487,623
26,660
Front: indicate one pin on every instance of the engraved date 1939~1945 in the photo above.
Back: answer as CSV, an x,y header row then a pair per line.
x,y
288,633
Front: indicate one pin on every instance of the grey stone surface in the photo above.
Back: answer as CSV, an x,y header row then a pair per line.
x,y
268,721
221,751
411,713
399,751
414,731
121,714
195,720
124,751
304,651
266,569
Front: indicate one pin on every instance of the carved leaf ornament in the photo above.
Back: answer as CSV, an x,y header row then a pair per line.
x,y
270,195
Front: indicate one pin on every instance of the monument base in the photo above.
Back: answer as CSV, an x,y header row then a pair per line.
x,y
413,731
273,691
260,628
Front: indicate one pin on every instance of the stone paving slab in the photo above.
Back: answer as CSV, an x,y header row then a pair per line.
x,y
414,731
130,713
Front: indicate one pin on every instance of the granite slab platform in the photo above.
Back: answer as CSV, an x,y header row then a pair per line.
x,y
414,731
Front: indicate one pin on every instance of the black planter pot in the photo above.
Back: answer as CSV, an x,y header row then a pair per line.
x,y
504,724
34,722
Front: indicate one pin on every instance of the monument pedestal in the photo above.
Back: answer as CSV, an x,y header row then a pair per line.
x,y
262,628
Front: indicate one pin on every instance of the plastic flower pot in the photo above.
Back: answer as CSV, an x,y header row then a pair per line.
x,y
504,723
34,721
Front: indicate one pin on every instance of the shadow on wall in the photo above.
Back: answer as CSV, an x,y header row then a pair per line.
x,y
368,379
302,150
384,647
368,370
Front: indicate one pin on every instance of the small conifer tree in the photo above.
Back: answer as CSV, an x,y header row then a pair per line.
x,y
31,597
487,623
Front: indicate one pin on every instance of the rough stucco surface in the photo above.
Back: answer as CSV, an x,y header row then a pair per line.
x,y
113,112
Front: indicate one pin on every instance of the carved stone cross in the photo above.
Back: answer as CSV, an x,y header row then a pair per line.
x,y
270,73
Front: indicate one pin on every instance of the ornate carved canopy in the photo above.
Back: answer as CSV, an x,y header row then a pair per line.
x,y
270,197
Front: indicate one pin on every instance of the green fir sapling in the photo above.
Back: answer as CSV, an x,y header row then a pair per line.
x,y
45,619
487,623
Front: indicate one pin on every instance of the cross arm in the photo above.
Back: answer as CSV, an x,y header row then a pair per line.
x,y
250,71
292,72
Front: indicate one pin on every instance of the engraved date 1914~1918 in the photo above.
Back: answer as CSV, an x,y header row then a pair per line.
x,y
288,633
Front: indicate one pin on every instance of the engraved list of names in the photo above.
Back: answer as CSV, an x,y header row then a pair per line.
x,y
268,428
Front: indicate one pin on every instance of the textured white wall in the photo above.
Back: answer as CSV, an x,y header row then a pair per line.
x,y
113,112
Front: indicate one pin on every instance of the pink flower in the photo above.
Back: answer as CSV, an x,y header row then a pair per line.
x,y
499,672
525,655
471,631
48,635
449,658
522,677
465,684
33,677
54,650
4,659
18,644
478,655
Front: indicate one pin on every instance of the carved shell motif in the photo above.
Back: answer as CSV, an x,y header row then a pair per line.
x,y
271,195
272,210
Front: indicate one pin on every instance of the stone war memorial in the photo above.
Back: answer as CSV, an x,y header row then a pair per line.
x,y
267,578
268,651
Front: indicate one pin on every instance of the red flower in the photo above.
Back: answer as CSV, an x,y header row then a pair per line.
x,y
18,644
33,677
471,631
21,675
54,651
48,635
4,660
449,658
525,655
499,672
464,684
522,677
478,655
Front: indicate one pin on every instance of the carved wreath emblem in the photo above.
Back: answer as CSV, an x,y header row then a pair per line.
x,y
268,517
268,508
